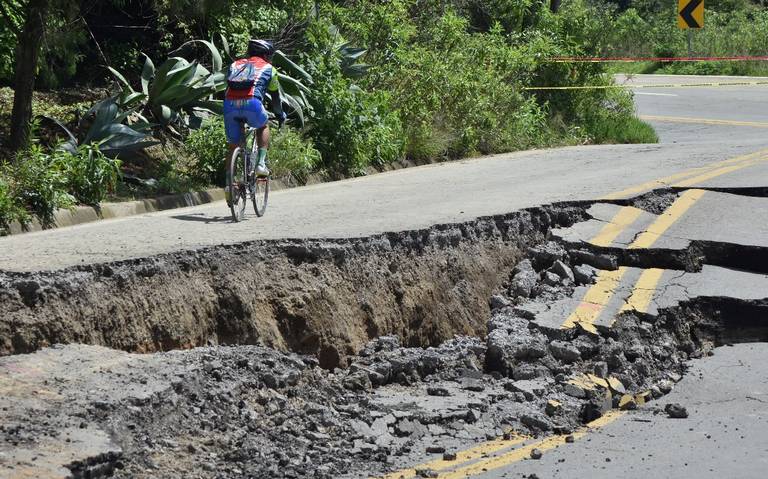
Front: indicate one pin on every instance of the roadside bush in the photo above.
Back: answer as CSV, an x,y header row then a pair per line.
x,y
10,210
353,129
208,145
290,155
40,186
89,174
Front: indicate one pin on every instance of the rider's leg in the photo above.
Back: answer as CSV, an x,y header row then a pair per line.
x,y
262,140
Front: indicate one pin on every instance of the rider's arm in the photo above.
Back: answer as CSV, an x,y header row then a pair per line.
x,y
274,91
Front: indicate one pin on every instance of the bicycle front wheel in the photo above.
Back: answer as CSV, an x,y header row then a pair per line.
x,y
237,182
260,195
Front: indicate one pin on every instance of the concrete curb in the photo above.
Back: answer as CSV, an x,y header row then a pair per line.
x,y
88,214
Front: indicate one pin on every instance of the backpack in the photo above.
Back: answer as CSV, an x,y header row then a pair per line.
x,y
242,75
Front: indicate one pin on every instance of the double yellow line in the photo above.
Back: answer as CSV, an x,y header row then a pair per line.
x,y
500,453
487,457
694,176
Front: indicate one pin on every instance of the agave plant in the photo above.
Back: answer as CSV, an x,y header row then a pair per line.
x,y
176,90
103,125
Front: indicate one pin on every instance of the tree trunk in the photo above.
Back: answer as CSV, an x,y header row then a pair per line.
x,y
27,52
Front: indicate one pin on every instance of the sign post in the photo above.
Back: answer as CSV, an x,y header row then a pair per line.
x,y
690,15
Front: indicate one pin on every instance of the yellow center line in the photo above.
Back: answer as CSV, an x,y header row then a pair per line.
x,y
518,454
482,450
682,204
703,121
595,300
601,293
741,161
643,291
625,217
715,173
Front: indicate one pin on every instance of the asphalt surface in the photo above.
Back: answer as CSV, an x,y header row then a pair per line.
x,y
444,193
725,435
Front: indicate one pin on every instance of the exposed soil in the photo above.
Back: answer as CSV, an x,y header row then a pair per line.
x,y
316,297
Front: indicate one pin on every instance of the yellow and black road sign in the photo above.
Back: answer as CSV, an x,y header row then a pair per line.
x,y
690,14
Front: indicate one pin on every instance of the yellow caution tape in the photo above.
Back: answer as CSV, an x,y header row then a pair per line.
x,y
661,85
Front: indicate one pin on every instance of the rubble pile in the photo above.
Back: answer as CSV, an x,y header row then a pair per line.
x,y
249,411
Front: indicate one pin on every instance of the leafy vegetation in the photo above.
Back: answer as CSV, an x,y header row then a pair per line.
x,y
365,82
649,29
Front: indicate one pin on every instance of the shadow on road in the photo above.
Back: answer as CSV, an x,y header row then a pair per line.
x,y
203,219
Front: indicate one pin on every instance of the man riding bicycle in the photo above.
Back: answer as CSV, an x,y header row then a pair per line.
x,y
248,81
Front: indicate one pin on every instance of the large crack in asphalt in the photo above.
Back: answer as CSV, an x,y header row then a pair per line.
x,y
367,353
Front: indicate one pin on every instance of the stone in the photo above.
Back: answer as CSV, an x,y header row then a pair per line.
x,y
435,449
546,254
523,283
600,261
497,302
570,439
564,351
449,456
562,270
574,391
536,421
584,274
676,411
665,386
553,407
627,402
438,391
550,279
426,473
358,381
531,388
601,369
616,385
536,454
410,428
470,384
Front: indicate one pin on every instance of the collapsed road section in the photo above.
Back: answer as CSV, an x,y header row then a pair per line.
x,y
375,354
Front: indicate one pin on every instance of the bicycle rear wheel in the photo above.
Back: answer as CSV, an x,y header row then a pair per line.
x,y
237,183
260,195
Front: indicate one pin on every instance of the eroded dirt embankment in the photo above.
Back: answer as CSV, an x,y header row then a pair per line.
x,y
324,297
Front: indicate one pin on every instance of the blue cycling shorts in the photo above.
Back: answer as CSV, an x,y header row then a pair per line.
x,y
251,110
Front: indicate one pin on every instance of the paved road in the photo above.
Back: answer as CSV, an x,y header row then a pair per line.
x,y
690,152
725,435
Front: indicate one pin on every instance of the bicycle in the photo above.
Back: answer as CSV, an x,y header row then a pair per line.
x,y
242,181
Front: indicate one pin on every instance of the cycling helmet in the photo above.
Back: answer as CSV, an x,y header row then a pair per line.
x,y
260,48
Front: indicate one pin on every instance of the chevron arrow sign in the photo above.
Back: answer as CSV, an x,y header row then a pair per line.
x,y
690,14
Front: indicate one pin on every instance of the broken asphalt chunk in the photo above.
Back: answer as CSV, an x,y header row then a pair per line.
x,y
676,411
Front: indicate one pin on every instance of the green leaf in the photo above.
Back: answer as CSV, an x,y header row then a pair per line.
x,y
284,63
216,61
120,78
147,73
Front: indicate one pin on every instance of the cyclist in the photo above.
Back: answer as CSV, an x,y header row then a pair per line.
x,y
247,82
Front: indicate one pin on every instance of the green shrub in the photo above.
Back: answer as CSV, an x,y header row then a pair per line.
x,y
89,174
353,129
40,186
208,146
10,209
290,155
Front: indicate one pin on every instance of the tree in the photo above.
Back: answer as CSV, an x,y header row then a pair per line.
x,y
30,37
